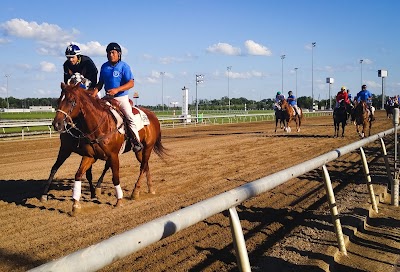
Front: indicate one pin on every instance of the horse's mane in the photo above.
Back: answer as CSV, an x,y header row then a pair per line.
x,y
86,97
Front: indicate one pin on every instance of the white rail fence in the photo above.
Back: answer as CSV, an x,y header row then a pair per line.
x,y
166,122
119,246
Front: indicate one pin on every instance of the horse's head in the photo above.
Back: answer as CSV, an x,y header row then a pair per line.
x,y
68,106
284,104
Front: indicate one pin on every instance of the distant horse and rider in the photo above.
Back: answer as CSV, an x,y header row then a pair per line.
x,y
340,117
286,110
390,105
363,118
363,111
290,114
100,135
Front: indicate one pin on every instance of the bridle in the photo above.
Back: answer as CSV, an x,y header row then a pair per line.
x,y
69,121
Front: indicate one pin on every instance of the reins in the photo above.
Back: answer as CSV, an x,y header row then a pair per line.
x,y
83,134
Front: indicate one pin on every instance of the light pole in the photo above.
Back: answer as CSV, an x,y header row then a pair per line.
x,y
7,76
282,58
296,80
162,89
330,81
199,79
383,74
229,68
361,62
312,73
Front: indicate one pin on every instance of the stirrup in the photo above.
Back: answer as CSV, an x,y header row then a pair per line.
x,y
136,146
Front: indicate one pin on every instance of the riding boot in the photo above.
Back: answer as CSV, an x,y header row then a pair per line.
x,y
372,117
136,145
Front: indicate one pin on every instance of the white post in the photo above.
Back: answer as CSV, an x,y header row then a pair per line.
x,y
334,212
242,257
368,180
395,182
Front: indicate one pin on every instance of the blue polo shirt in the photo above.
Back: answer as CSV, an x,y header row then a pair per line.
x,y
116,75
291,100
364,95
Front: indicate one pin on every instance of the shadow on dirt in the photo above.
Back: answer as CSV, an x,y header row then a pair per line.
x,y
18,191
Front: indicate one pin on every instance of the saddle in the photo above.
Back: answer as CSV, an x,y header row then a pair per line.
x,y
294,111
139,117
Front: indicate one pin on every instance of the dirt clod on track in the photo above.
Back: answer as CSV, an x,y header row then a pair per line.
x,y
286,229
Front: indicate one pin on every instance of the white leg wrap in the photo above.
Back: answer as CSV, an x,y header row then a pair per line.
x,y
77,190
119,192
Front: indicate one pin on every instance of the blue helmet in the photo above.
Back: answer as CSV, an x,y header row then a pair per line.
x,y
72,50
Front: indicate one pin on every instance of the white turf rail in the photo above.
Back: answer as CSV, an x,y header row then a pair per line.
x,y
119,246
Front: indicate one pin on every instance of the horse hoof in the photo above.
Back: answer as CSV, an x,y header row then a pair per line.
x,y
97,192
76,209
119,203
152,192
43,198
135,196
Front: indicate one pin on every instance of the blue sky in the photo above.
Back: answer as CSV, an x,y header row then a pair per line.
x,y
187,38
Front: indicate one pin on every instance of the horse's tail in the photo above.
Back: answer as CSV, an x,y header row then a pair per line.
x,y
158,148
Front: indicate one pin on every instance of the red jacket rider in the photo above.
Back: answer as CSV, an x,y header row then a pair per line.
x,y
342,95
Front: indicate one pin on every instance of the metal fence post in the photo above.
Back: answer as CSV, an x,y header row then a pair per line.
x,y
368,180
334,212
395,182
238,241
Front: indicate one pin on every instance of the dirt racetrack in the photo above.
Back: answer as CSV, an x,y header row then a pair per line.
x,y
286,229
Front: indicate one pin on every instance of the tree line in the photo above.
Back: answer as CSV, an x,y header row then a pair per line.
x,y
241,103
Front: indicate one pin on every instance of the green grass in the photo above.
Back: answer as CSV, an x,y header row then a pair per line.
x,y
19,129
26,115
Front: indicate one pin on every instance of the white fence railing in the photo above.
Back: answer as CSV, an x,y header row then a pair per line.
x,y
108,251
164,121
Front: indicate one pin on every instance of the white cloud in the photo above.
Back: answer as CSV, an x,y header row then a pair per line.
x,y
42,92
47,66
169,60
4,40
367,61
31,30
372,85
224,48
309,46
93,48
245,75
24,66
155,77
256,49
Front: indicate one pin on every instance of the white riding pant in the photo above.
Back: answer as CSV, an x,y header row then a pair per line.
x,y
126,108
296,109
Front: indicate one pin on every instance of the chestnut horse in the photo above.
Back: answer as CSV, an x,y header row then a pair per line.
x,y
290,114
362,118
103,140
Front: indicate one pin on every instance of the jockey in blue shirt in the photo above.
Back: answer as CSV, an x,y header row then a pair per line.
x,y
365,95
292,102
117,78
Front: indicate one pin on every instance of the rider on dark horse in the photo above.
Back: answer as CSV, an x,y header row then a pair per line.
x,y
342,97
78,63
278,99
